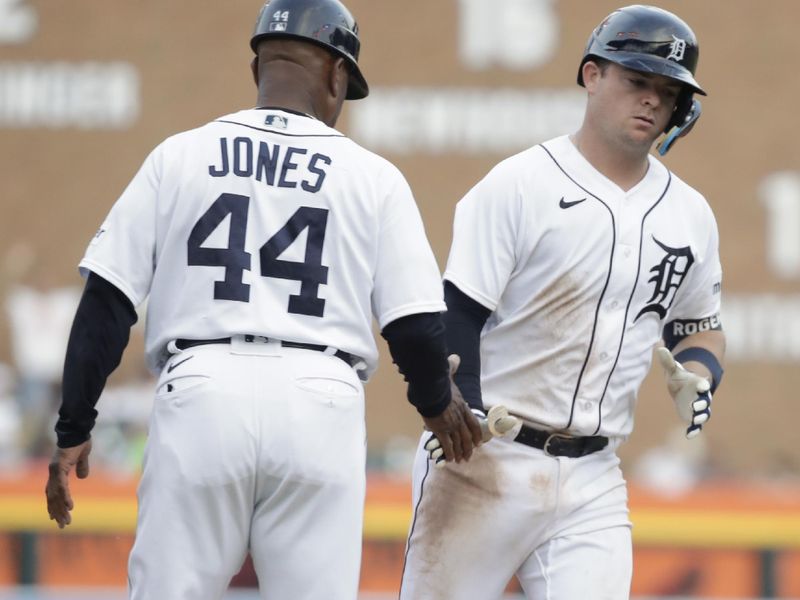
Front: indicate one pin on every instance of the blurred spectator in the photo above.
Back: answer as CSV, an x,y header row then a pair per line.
x,y
395,458
40,317
121,429
10,420
40,314
674,467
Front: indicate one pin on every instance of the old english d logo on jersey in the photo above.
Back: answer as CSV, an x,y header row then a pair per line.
x,y
668,275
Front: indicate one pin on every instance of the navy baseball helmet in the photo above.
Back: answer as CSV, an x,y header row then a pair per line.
x,y
649,40
327,23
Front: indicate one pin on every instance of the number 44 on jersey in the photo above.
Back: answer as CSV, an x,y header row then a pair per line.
x,y
311,273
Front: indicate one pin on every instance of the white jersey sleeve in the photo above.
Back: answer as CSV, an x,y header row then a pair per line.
x,y
486,230
406,268
699,296
123,249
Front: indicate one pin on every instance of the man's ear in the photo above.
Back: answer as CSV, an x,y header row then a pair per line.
x,y
339,78
591,73
254,69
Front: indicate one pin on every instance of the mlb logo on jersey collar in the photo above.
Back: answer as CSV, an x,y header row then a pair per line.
x,y
276,121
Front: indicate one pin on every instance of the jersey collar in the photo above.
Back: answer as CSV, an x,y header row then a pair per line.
x,y
288,110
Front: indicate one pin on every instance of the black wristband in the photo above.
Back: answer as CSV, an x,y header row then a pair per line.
x,y
706,358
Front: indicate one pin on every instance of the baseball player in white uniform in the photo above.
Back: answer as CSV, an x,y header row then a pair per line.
x,y
570,262
266,241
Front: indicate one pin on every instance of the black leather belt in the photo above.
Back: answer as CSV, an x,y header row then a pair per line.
x,y
560,444
340,354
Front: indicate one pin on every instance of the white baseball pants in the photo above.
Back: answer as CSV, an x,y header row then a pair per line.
x,y
560,525
252,447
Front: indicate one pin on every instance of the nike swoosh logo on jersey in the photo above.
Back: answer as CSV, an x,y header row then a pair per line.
x,y
178,364
564,204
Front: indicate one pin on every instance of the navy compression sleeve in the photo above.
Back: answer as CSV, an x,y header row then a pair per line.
x,y
417,345
100,333
464,321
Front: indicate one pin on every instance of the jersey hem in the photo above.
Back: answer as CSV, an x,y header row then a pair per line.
x,y
470,291
410,309
87,265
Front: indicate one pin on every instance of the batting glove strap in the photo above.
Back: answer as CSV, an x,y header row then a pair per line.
x,y
707,359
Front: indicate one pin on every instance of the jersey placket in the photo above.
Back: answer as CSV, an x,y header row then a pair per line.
x,y
611,315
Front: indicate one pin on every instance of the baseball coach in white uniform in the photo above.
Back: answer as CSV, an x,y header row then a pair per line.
x,y
570,262
266,241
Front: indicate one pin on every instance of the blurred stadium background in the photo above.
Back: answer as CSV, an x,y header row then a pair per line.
x,y
89,87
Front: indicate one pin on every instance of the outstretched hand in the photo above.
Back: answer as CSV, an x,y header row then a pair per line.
x,y
690,392
59,499
456,429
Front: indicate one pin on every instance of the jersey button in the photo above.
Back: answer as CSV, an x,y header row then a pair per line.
x,y
614,304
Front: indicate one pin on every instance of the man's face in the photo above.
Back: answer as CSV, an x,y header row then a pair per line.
x,y
633,106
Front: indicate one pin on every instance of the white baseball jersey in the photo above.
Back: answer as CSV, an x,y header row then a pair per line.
x,y
270,223
581,277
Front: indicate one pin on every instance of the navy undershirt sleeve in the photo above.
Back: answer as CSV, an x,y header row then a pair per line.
x,y
417,345
99,335
464,321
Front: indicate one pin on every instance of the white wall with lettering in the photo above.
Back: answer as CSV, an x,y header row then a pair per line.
x,y
780,195
58,94
766,326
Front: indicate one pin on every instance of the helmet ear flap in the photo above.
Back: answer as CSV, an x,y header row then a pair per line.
x,y
682,107
674,133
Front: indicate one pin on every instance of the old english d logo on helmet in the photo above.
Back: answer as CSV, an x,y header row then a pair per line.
x,y
327,23
677,49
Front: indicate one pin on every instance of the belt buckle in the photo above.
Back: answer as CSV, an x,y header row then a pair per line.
x,y
556,435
